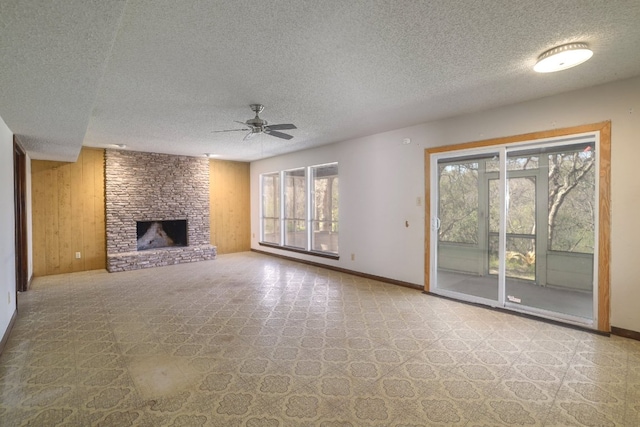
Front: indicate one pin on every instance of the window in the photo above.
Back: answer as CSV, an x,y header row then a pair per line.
x,y
271,208
302,213
295,208
458,202
571,200
325,208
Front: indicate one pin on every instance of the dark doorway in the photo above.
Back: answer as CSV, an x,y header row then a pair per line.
x,y
20,194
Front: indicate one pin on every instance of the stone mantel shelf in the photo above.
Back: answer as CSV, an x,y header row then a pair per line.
x,y
161,250
159,257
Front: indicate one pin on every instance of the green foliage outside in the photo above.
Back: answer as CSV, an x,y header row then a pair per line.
x,y
570,210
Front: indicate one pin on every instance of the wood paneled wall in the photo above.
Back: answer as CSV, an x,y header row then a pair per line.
x,y
229,202
68,214
68,204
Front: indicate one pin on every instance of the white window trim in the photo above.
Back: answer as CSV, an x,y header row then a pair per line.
x,y
309,194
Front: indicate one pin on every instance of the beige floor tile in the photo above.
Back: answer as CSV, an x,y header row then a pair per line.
x,y
442,357
586,402
251,340
484,420
494,356
632,413
573,414
436,411
518,400
611,379
303,407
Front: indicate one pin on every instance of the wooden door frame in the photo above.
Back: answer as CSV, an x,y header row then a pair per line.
x,y
20,194
604,213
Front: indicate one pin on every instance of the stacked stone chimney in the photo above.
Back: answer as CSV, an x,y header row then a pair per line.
x,y
154,187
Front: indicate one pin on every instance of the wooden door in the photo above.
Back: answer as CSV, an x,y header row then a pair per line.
x,y
19,168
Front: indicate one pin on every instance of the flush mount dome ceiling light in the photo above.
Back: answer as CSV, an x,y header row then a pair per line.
x,y
563,57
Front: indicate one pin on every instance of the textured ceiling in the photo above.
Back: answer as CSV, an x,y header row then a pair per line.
x,y
160,76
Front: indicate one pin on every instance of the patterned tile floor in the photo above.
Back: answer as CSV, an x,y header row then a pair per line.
x,y
251,340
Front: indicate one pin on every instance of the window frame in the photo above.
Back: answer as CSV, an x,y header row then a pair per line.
x,y
309,219
602,256
277,208
312,207
286,219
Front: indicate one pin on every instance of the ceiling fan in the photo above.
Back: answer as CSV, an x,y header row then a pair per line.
x,y
257,125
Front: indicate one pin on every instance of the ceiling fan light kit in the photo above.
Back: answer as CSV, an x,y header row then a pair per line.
x,y
563,57
258,125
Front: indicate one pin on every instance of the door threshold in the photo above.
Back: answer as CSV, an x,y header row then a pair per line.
x,y
539,318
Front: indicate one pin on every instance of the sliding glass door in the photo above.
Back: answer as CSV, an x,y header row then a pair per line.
x,y
462,223
515,226
551,229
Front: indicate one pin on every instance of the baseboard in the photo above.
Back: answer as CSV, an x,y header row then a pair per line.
x,y
5,337
625,333
346,271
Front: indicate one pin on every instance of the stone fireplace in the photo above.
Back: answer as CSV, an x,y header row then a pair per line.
x,y
160,201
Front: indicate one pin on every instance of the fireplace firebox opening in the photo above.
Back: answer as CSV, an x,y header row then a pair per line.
x,y
161,234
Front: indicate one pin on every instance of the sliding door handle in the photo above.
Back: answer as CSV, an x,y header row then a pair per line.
x,y
435,224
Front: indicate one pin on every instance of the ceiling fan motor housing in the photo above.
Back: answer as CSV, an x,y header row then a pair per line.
x,y
256,123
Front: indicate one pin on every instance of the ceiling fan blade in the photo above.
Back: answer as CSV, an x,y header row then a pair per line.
x,y
282,127
229,130
242,123
278,134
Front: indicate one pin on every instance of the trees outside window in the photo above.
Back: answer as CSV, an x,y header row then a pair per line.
x,y
571,200
554,184
295,208
271,208
325,208
458,209
570,209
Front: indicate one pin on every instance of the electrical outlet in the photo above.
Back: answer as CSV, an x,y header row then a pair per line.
x,y
78,256
418,201
353,257
254,235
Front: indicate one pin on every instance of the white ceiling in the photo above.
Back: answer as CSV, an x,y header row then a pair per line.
x,y
161,75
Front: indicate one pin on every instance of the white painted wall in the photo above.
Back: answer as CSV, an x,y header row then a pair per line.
x,y
7,230
378,192
380,179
